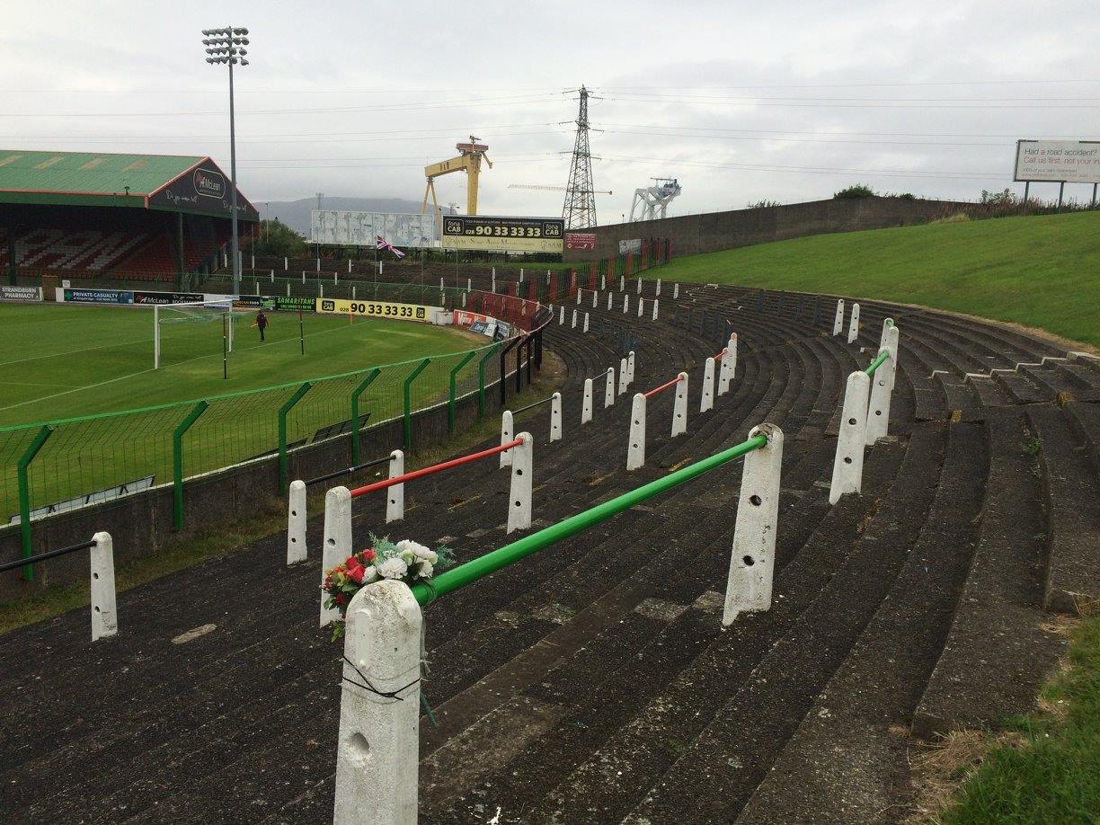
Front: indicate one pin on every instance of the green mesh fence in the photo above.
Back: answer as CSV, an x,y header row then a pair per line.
x,y
79,461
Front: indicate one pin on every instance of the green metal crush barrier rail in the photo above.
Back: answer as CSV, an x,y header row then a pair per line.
x,y
70,462
480,567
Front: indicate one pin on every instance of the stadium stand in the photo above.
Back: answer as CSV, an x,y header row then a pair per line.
x,y
139,217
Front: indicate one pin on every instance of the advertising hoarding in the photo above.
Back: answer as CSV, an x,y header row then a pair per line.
x,y
341,228
580,240
503,234
633,245
20,293
374,309
1057,161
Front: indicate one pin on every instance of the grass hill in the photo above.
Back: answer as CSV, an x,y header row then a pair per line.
x,y
1040,271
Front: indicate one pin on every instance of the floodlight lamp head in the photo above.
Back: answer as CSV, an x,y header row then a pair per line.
x,y
240,31
211,60
244,62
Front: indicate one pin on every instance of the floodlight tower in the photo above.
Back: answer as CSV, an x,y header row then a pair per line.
x,y
227,46
579,209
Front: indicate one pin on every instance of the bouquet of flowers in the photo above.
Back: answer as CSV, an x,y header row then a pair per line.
x,y
404,561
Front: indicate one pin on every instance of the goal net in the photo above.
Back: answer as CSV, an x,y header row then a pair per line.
x,y
193,330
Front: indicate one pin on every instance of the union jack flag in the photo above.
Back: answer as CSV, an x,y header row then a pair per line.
x,y
386,246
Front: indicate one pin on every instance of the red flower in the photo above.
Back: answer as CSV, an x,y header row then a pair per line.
x,y
368,556
341,599
356,573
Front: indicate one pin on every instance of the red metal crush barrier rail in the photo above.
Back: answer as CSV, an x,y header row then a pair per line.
x,y
435,468
663,386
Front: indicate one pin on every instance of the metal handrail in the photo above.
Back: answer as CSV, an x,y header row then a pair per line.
x,y
880,359
51,554
482,566
349,470
435,468
546,400
663,386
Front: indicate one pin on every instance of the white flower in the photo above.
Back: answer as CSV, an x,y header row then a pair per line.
x,y
370,575
410,550
392,568
424,569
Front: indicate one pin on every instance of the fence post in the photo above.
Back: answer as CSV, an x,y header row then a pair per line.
x,y
635,448
177,462
408,400
395,495
337,543
555,417
519,495
609,392
848,462
706,401
630,368
506,431
481,379
838,321
378,751
680,407
283,410
25,495
451,393
853,324
882,389
752,562
624,376
104,613
586,405
358,391
296,523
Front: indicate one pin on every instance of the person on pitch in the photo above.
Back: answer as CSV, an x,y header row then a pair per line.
x,y
261,323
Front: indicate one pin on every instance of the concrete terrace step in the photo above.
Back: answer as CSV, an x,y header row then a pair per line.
x,y
996,654
857,717
1071,491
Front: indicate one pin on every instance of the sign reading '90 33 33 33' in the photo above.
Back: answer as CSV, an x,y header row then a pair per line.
x,y
504,234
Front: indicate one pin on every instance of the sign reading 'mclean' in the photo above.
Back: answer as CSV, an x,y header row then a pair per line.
x,y
375,309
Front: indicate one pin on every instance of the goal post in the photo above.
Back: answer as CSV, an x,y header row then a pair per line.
x,y
215,315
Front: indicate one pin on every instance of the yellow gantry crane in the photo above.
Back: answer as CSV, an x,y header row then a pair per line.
x,y
469,159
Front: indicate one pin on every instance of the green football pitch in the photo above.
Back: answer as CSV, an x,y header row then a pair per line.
x,y
66,361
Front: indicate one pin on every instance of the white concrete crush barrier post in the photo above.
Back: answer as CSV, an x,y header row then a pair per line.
x,y
630,368
635,447
752,562
886,324
882,389
639,286
853,324
585,322
838,321
519,496
378,750
573,324
609,390
586,404
848,462
609,297
296,523
622,283
626,303
728,366
395,495
595,296
555,417
506,436
655,302
337,541
104,611
675,290
641,305
680,407
561,316
657,291
706,400
579,291
624,376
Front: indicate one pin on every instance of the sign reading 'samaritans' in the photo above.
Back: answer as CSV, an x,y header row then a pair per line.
x,y
205,190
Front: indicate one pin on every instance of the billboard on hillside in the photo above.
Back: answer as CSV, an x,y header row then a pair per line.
x,y
1058,161
503,234
339,228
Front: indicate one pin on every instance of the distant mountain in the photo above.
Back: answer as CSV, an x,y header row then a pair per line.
x,y
296,214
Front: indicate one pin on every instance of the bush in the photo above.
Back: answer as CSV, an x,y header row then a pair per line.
x,y
279,240
764,204
858,190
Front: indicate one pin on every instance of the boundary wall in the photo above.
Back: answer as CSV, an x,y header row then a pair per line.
x,y
714,231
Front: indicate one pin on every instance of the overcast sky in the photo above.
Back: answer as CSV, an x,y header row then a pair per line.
x,y
785,101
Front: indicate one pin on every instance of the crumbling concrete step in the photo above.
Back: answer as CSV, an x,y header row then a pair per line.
x,y
1072,493
996,654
